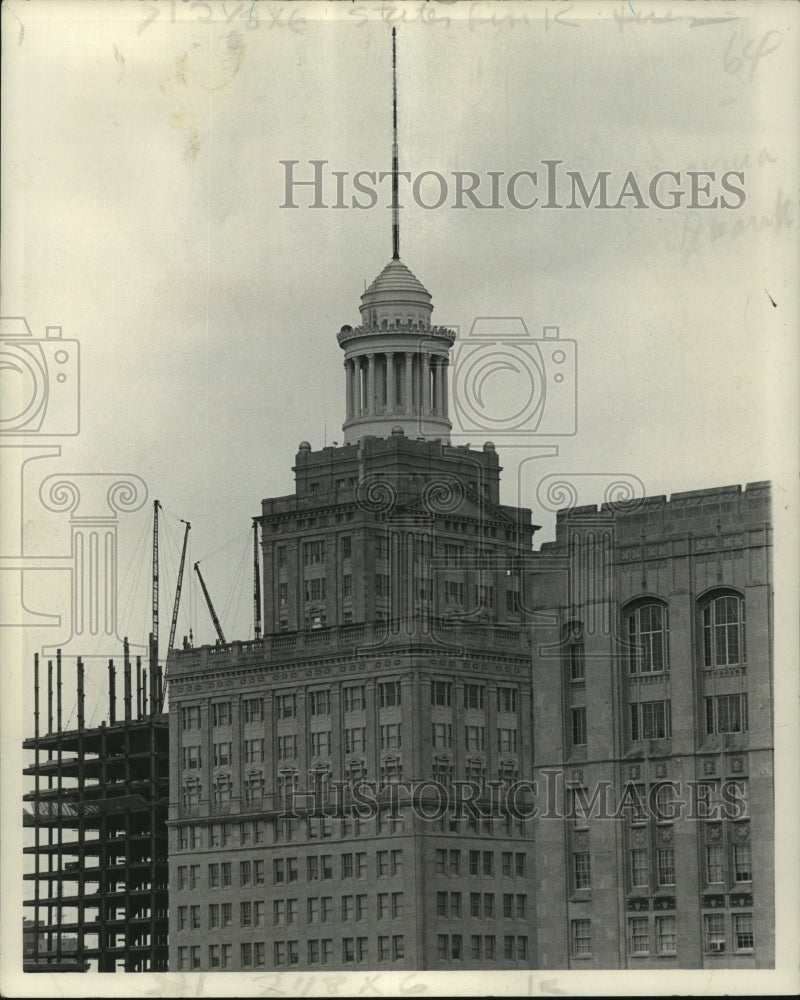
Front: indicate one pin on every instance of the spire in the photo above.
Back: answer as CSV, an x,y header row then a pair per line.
x,y
395,205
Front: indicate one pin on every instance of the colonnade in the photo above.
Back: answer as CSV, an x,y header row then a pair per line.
x,y
401,382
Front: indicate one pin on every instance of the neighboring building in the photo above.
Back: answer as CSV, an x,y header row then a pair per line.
x,y
98,824
657,674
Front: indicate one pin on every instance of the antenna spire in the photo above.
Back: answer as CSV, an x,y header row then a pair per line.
x,y
395,205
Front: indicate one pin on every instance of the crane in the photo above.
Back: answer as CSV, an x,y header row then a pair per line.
x,y
174,624
213,613
256,583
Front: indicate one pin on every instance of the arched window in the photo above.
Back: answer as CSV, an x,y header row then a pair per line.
x,y
723,631
648,635
443,770
254,789
476,770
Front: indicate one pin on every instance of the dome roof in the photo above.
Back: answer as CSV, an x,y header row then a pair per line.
x,y
396,278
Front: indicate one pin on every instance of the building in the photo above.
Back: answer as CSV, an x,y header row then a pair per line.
x,y
655,677
413,640
97,814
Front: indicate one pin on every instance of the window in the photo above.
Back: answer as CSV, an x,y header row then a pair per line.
x,y
640,873
666,866
484,595
315,589
488,863
287,747
221,713
321,744
648,634
383,948
347,547
442,736
742,868
715,867
715,932
441,693
319,702
354,698
286,705
666,937
390,736
519,864
253,710
191,758
581,870
389,693
581,938
398,947
723,632
475,737
638,935
254,751
743,931
576,660
651,720
578,727
506,741
474,696
454,592
222,754
190,717
281,556
726,713
488,904
313,553
506,699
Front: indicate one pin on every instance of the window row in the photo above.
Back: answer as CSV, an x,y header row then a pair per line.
x,y
512,864
448,904
449,947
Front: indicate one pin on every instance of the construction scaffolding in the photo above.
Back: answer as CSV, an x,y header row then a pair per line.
x,y
98,818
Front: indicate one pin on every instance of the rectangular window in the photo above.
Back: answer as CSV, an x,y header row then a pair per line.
x,y
666,866
253,752
715,867
581,938
441,693
313,553
354,698
287,747
474,696
742,866
391,736
475,737
578,727
519,864
581,870
714,924
666,935
490,946
639,935
389,694
726,713
506,699
442,736
347,547
640,874
221,713
321,744
475,946
191,758
650,720
506,740
488,905
190,717
253,709
286,705
743,931
319,703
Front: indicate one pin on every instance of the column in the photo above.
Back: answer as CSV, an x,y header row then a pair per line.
x,y
445,400
390,382
425,378
359,385
437,385
348,385
408,385
371,407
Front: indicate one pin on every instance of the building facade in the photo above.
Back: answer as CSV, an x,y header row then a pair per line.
x,y
417,654
653,682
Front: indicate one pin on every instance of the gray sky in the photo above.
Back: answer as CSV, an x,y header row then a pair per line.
x,y
142,213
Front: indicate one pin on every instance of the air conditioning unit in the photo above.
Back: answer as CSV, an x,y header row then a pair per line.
x,y
717,946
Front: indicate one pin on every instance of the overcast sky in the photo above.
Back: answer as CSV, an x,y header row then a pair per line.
x,y
142,212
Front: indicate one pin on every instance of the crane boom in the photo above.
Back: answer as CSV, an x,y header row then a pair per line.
x,y
178,587
156,505
256,584
213,613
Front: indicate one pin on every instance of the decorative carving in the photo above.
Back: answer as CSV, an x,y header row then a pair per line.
x,y
709,766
